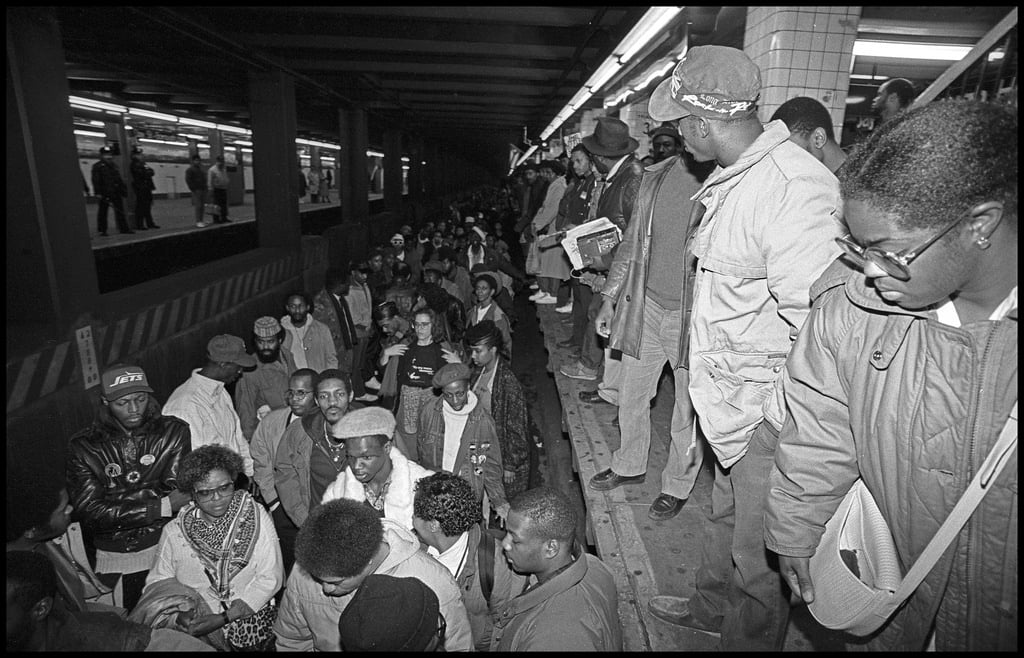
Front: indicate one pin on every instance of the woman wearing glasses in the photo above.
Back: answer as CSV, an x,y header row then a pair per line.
x,y
906,371
223,546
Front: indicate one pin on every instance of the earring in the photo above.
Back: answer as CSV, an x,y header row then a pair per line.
x,y
983,243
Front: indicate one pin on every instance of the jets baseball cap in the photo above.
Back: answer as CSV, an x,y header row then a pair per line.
x,y
714,82
119,381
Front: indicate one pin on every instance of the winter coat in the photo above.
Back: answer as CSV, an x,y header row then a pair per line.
x,y
577,610
479,457
512,421
291,465
405,473
107,181
912,407
626,284
767,234
119,514
307,619
317,343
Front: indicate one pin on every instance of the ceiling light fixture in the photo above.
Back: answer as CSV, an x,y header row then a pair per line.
x,y
649,26
196,122
232,129
162,141
374,154
904,50
96,105
152,115
89,133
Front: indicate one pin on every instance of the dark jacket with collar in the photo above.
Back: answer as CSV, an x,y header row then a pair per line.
x,y
115,492
618,199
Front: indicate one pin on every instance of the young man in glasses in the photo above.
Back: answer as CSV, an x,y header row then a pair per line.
x,y
122,479
906,371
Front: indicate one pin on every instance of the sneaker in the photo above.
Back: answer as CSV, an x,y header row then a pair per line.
x,y
564,308
366,397
537,295
202,224
546,299
578,371
372,383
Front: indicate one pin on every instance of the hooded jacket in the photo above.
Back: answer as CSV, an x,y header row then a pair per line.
x,y
307,619
912,407
116,478
767,234
399,497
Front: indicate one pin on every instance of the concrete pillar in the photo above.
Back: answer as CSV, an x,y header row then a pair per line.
x,y
353,182
393,169
275,183
802,51
51,271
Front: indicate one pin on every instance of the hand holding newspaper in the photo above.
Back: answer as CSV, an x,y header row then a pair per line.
x,y
598,237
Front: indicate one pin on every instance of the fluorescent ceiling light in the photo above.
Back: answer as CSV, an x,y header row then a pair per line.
x,y
190,136
98,124
649,26
152,115
405,159
903,50
246,150
996,54
232,129
89,133
96,105
580,98
853,100
405,167
374,154
861,76
162,141
603,74
242,142
197,122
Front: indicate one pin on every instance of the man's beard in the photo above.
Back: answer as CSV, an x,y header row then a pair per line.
x,y
268,356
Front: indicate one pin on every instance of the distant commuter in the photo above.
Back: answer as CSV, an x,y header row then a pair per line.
x,y
195,178
143,186
810,128
893,97
108,185
218,179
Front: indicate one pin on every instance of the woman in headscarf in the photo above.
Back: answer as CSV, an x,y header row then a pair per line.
x,y
224,546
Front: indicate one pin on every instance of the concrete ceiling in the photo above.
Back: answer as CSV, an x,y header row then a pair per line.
x,y
471,76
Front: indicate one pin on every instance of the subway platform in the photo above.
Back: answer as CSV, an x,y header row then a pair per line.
x,y
647,557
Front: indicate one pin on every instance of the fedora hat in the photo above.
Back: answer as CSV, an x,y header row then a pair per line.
x,y
610,139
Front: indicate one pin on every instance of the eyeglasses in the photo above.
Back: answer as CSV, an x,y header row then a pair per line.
x,y
896,265
222,491
423,325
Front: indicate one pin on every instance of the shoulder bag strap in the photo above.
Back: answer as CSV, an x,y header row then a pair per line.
x,y
976,490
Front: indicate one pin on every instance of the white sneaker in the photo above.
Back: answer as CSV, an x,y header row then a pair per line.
x,y
202,224
534,286
373,383
565,308
537,295
547,299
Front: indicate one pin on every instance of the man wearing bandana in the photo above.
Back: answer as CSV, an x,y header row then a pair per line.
x,y
122,479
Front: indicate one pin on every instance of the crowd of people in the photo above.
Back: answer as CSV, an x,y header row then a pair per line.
x,y
371,484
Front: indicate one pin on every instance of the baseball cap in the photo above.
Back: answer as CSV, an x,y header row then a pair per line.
x,y
119,381
390,614
714,82
229,349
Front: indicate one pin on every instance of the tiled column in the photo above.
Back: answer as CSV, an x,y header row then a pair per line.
x,y
802,51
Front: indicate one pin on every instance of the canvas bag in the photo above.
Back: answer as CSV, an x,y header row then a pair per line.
x,y
860,601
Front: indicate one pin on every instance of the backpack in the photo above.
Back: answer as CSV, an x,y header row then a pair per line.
x,y
485,562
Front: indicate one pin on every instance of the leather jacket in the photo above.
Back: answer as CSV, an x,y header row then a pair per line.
x,y
617,201
115,492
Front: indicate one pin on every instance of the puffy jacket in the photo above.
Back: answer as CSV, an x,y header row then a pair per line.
x,y
307,619
577,610
911,406
627,277
478,460
767,234
120,515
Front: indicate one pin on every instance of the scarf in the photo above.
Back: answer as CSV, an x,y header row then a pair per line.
x,y
225,546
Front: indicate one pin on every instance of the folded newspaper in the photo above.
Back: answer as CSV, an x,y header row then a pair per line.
x,y
586,243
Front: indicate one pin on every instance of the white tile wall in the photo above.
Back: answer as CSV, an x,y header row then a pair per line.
x,y
802,51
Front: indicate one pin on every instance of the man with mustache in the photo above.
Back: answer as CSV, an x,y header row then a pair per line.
x,y
263,389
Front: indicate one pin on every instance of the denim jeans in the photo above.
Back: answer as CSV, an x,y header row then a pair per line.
x,y
591,352
738,582
582,295
637,385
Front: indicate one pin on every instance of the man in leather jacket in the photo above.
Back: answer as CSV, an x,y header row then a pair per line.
x,y
122,478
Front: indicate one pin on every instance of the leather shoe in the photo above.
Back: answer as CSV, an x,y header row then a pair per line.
x,y
609,479
665,507
591,397
675,610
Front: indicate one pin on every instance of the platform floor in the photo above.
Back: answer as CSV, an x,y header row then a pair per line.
x,y
648,557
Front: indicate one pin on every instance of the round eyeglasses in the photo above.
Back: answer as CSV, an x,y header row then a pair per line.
x,y
895,264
